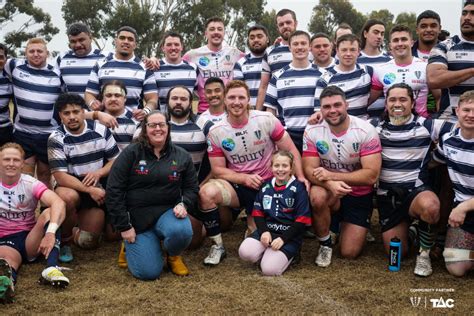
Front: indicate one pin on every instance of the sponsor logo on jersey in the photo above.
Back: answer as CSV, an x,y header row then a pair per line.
x,y
247,157
322,147
108,72
203,61
389,78
228,144
288,82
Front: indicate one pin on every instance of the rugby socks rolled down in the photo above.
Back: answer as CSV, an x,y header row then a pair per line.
x,y
325,241
211,220
427,235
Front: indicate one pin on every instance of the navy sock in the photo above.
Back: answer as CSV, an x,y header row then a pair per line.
x,y
325,241
52,260
212,222
336,219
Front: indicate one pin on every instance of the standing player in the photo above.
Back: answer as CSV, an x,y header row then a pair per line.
x,y
456,150
6,126
22,237
36,86
321,48
249,67
124,65
352,78
290,94
80,154
341,158
277,56
403,191
451,63
214,59
173,69
403,68
76,64
240,149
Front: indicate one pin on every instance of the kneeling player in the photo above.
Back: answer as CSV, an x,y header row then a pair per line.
x,y
456,149
281,213
22,237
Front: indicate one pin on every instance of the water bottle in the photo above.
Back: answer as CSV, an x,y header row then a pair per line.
x,y
395,254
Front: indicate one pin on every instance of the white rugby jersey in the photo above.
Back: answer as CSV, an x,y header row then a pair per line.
x,y
35,91
458,153
212,64
248,148
18,203
406,151
138,80
455,53
75,70
413,74
355,84
170,75
249,69
207,116
291,94
6,93
342,153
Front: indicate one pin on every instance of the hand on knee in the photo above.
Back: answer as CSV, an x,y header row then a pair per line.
x,y
85,239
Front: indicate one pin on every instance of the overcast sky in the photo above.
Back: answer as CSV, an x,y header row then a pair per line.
x,y
449,10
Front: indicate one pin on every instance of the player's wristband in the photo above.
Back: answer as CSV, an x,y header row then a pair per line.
x,y
52,228
95,115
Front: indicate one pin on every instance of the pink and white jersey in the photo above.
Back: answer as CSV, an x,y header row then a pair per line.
x,y
413,74
248,148
342,152
212,64
18,204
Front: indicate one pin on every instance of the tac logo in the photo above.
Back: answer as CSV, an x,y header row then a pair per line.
x,y
228,144
389,78
322,147
203,61
441,303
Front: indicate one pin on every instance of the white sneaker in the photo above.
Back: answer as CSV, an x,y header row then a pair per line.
x,y
54,276
216,254
324,256
423,264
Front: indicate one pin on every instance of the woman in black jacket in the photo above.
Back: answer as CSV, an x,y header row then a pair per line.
x,y
151,186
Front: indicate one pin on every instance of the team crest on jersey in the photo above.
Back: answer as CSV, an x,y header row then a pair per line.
x,y
356,147
290,202
322,147
267,202
227,57
389,78
258,134
21,198
228,144
203,61
418,74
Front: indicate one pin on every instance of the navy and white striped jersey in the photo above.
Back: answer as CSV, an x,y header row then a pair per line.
x,y
276,57
406,151
75,70
83,153
356,85
374,61
291,93
249,69
6,93
170,75
127,126
456,54
35,91
282,206
138,80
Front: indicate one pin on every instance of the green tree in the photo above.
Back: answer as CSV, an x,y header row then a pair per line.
x,y
408,19
384,16
269,21
328,14
38,23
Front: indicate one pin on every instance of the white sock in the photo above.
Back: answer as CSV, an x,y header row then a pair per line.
x,y
217,239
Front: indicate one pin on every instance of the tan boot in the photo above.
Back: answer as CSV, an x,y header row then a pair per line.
x,y
122,259
177,266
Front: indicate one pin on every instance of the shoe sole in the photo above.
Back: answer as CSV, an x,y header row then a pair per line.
x,y
60,284
215,264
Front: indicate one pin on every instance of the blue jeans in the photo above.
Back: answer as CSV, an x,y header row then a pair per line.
x,y
144,256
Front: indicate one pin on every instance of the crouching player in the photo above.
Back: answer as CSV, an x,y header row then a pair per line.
x,y
457,150
281,213
22,237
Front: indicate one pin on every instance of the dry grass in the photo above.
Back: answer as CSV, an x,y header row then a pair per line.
x,y
364,286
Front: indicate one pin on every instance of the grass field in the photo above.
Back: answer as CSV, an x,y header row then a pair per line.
x,y
364,286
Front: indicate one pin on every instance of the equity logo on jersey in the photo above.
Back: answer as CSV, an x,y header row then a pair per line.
x,y
389,78
228,144
203,61
142,168
322,147
267,202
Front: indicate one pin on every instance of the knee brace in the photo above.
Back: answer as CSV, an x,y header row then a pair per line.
x,y
86,240
226,196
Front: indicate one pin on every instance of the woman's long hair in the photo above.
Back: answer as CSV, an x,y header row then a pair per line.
x,y
143,137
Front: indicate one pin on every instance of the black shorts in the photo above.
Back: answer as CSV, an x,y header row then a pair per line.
x,y
17,241
246,197
394,206
291,248
357,209
33,145
6,135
